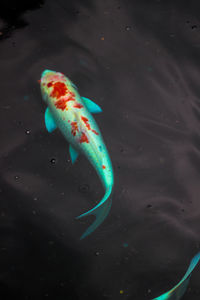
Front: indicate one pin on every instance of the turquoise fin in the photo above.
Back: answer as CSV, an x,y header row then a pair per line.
x,y
101,211
178,291
49,121
73,153
91,106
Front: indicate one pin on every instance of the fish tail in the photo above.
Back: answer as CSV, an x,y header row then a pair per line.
x,y
100,211
178,291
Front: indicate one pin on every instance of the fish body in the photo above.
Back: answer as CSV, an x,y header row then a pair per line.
x,y
178,290
72,114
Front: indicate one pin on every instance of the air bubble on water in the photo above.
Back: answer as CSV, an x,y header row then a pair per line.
x,y
149,205
128,28
35,198
97,253
53,161
84,188
27,131
16,177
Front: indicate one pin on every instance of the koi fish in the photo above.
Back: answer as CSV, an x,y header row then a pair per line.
x,y
178,291
72,114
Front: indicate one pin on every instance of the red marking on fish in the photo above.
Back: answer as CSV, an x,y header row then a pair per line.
x,y
61,104
50,84
39,81
78,105
95,132
74,128
103,166
59,90
84,138
85,120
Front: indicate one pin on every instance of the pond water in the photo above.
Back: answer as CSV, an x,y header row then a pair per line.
x,y
140,62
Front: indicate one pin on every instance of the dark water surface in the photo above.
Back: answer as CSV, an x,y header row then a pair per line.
x,y
140,61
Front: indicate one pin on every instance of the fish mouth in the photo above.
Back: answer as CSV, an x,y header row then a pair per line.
x,y
47,73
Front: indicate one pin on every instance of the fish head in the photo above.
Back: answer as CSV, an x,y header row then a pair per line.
x,y
51,79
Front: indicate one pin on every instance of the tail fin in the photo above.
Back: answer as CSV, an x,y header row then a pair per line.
x,y
178,291
101,211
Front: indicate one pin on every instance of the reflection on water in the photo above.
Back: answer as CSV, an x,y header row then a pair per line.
x,y
139,61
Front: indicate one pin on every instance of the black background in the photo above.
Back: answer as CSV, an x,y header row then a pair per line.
x,y
140,61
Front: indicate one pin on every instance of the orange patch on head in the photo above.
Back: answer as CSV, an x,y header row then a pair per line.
x,y
59,90
103,166
84,138
61,104
78,105
50,84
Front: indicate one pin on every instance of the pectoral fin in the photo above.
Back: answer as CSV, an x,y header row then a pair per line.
x,y
49,121
91,106
73,153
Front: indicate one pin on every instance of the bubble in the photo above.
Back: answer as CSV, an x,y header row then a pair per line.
x,y
27,131
53,161
97,253
16,177
149,206
128,28
84,188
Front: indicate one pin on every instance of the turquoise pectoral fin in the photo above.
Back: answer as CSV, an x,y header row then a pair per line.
x,y
91,106
73,154
178,291
49,121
